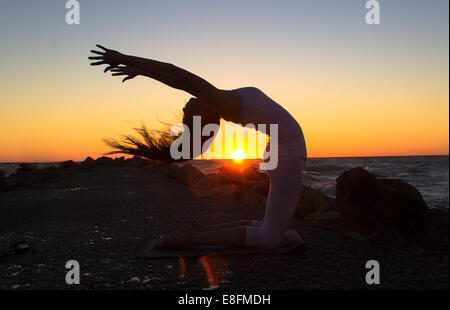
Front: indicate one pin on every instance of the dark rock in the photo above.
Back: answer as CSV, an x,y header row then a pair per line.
x,y
252,174
210,181
50,172
435,236
186,174
251,198
313,200
152,166
189,175
228,190
25,168
88,159
387,209
233,175
332,221
261,187
66,164
88,163
119,161
135,161
105,161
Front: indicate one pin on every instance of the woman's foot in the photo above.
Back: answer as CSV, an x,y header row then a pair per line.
x,y
179,239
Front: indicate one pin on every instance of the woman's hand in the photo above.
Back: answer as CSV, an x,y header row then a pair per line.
x,y
109,57
129,71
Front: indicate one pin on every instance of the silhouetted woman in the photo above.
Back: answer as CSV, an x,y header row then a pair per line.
x,y
244,106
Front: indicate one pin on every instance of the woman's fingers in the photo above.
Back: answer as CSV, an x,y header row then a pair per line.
x,y
127,78
98,63
109,68
95,57
117,69
97,52
119,73
103,48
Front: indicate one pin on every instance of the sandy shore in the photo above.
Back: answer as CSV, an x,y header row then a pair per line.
x,y
97,216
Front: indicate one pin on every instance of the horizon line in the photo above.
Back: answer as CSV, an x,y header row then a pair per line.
x,y
316,157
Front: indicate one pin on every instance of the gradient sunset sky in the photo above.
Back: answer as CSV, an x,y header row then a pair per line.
x,y
356,89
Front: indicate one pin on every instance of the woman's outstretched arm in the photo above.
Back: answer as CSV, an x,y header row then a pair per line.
x,y
227,103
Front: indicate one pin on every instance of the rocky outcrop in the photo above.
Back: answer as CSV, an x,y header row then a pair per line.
x,y
228,190
331,220
390,211
29,174
88,163
66,164
104,161
252,174
186,174
435,236
210,181
312,201
261,187
251,198
233,176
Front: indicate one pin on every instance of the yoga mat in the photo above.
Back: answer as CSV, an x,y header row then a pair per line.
x,y
292,242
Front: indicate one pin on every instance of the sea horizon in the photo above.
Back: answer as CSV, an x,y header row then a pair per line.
x,y
428,173
317,157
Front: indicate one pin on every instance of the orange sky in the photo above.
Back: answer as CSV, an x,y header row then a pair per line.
x,y
355,90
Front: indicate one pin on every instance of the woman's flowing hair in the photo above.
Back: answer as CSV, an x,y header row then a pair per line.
x,y
155,144
151,144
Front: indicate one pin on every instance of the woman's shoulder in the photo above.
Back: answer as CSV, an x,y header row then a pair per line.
x,y
249,89
250,94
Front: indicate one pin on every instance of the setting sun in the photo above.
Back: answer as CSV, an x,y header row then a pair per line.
x,y
238,154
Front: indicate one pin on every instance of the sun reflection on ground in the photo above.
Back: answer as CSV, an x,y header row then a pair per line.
x,y
216,269
182,267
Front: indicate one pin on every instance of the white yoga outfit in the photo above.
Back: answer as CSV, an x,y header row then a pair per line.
x,y
286,178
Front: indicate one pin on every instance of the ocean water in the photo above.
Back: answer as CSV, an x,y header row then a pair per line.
x,y
429,174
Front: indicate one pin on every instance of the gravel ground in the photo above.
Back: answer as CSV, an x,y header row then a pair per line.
x,y
98,216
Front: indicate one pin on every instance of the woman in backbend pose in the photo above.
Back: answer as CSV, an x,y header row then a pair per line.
x,y
244,106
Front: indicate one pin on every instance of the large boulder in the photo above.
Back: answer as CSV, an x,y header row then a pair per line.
x,y
332,221
390,210
210,181
233,175
190,175
313,200
250,198
186,174
436,232
228,190
261,187
252,174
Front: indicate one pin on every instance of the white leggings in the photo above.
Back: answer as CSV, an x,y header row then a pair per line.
x,y
282,201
